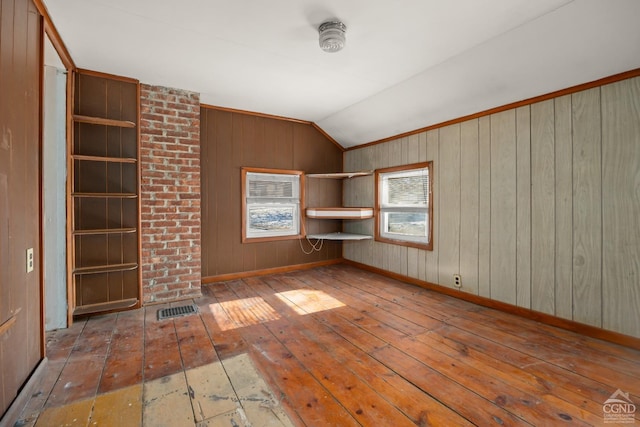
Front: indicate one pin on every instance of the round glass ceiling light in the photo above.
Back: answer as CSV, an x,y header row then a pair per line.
x,y
332,36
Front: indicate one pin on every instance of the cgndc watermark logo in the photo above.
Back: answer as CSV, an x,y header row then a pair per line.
x,y
619,408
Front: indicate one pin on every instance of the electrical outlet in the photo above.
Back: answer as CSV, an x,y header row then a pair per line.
x,y
30,260
457,281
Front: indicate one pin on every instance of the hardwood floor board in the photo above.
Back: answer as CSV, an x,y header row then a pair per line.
x,y
96,336
161,352
549,376
504,394
385,329
81,374
397,295
628,361
60,342
469,405
373,306
420,408
228,342
196,348
79,380
124,362
121,370
40,395
561,402
407,321
365,340
230,345
330,346
303,397
407,294
572,359
362,402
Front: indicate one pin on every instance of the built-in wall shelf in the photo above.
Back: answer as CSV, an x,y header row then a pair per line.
x,y
107,306
103,159
103,121
339,175
104,204
339,236
104,231
107,195
105,268
339,213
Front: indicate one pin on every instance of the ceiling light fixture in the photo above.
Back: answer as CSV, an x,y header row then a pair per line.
x,y
332,36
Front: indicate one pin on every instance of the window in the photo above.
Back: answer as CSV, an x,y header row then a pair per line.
x,y
271,204
403,205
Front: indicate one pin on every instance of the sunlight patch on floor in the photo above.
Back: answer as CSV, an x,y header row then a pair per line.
x,y
242,312
307,301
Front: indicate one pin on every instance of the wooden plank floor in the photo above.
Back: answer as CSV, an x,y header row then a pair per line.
x,y
333,346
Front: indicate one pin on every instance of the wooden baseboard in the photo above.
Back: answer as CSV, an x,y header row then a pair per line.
x,y
570,325
13,413
275,270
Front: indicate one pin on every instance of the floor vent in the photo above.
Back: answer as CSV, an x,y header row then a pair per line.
x,y
183,310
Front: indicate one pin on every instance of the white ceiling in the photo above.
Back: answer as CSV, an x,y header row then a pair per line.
x,y
406,65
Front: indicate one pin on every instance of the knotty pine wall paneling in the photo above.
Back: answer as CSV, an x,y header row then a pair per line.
x,y
231,140
537,206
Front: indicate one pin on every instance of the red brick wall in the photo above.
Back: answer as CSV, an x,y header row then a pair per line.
x,y
170,193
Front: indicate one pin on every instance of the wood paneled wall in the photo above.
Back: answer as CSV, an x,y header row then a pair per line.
x,y
20,292
232,140
537,206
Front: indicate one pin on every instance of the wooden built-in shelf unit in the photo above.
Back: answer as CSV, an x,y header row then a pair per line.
x,y
341,212
104,175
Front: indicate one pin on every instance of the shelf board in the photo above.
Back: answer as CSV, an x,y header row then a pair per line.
x,y
105,231
106,268
104,306
106,195
339,213
339,236
339,175
102,121
103,159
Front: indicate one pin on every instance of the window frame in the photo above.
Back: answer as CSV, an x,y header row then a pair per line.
x,y
379,210
245,206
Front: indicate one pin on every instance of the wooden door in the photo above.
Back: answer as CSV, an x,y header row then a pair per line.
x,y
20,290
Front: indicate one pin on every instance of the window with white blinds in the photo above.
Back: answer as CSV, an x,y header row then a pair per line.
x,y
404,204
271,205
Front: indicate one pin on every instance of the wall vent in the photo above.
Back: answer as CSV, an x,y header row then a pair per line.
x,y
183,310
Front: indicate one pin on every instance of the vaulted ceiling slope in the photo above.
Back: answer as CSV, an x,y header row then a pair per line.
x,y
406,65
